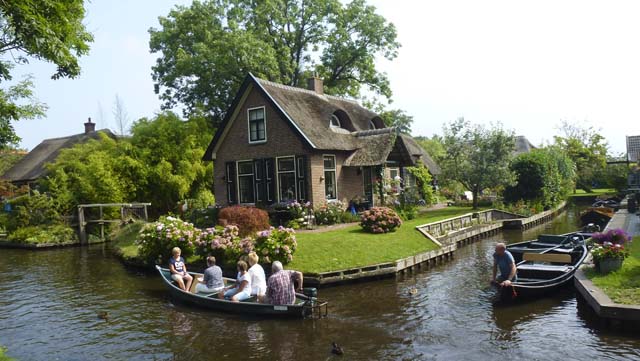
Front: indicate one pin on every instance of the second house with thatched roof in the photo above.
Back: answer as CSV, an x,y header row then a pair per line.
x,y
279,143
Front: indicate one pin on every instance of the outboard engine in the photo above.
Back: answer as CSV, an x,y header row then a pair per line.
x,y
310,292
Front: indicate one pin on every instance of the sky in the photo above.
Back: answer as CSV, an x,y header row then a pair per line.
x,y
528,65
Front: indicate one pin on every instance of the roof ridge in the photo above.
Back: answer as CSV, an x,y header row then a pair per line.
x,y
303,90
368,132
76,135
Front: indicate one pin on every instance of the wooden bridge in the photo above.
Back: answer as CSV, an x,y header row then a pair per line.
x,y
128,212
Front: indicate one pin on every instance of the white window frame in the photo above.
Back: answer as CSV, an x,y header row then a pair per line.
x,y
335,175
264,119
253,180
295,175
331,121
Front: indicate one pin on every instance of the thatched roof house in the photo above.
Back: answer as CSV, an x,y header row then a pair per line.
x,y
280,143
32,166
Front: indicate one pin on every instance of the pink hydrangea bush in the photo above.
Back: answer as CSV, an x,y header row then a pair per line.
x,y
156,240
226,244
380,220
276,244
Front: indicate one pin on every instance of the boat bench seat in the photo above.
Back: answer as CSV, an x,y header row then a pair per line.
x,y
545,268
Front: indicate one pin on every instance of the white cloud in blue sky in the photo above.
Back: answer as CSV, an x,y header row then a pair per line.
x,y
526,64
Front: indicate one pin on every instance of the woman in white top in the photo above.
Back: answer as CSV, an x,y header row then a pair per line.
x,y
258,279
242,289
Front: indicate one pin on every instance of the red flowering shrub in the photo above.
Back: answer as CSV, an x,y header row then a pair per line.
x,y
248,219
380,220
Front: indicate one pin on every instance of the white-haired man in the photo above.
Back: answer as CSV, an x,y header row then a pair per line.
x,y
503,260
280,286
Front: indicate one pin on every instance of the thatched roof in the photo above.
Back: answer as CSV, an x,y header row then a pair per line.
x,y
32,166
523,145
309,114
418,153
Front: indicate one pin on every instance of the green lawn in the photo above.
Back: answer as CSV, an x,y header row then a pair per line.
x,y
124,239
622,286
351,247
594,192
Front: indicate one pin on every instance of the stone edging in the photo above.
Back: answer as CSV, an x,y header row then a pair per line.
x,y
601,303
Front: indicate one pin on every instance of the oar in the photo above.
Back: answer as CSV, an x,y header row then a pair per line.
x,y
549,249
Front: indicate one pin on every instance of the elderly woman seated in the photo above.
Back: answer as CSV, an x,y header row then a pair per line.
x,y
242,289
212,280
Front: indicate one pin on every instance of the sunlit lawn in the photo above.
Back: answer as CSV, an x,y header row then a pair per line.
x,y
622,286
594,192
351,247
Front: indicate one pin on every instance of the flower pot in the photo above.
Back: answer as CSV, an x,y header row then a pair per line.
x,y
607,265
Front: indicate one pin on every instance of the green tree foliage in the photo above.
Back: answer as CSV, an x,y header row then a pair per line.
x,y
397,118
434,146
477,157
614,176
9,157
423,182
98,171
586,148
161,163
544,176
48,30
206,49
172,150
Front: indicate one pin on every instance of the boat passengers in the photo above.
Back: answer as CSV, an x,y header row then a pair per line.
x,y
503,260
179,270
258,279
241,290
280,286
212,280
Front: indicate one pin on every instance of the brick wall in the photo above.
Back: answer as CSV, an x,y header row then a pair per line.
x,y
282,140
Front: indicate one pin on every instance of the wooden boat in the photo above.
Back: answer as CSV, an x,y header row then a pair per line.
x,y
544,265
599,216
305,305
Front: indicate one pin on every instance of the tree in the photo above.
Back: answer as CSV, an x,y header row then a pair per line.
x,y
48,30
586,148
477,157
9,157
545,176
397,118
433,146
120,115
207,49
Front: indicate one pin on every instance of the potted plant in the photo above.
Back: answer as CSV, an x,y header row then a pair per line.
x,y
609,256
609,249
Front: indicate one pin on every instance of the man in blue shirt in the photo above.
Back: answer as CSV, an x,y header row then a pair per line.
x,y
503,260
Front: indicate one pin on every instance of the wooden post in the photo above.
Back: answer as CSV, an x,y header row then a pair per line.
x,y
101,225
81,226
146,216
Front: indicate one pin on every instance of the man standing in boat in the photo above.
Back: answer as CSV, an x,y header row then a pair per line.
x,y
503,260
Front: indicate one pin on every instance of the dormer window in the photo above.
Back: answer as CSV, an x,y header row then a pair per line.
x,y
372,125
257,125
335,122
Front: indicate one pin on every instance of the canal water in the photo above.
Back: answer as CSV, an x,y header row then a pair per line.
x,y
49,301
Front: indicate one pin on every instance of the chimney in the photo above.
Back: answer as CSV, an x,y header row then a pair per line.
x,y
315,84
89,127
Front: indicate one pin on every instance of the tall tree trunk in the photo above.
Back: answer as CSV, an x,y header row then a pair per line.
x,y
475,192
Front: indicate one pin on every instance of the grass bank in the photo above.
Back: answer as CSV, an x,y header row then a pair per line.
x,y
3,356
594,192
351,247
622,286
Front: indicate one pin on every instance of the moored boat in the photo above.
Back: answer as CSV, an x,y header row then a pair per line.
x,y
305,305
544,265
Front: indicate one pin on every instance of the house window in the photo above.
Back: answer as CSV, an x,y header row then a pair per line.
x,y
335,122
245,182
393,173
257,126
330,190
287,179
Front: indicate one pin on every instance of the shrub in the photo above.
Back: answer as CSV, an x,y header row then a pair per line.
x,y
226,245
348,217
329,213
276,244
248,219
380,220
613,236
156,239
32,210
55,234
203,217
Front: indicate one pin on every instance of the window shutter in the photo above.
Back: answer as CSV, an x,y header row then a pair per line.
x,y
259,180
270,180
301,177
230,178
